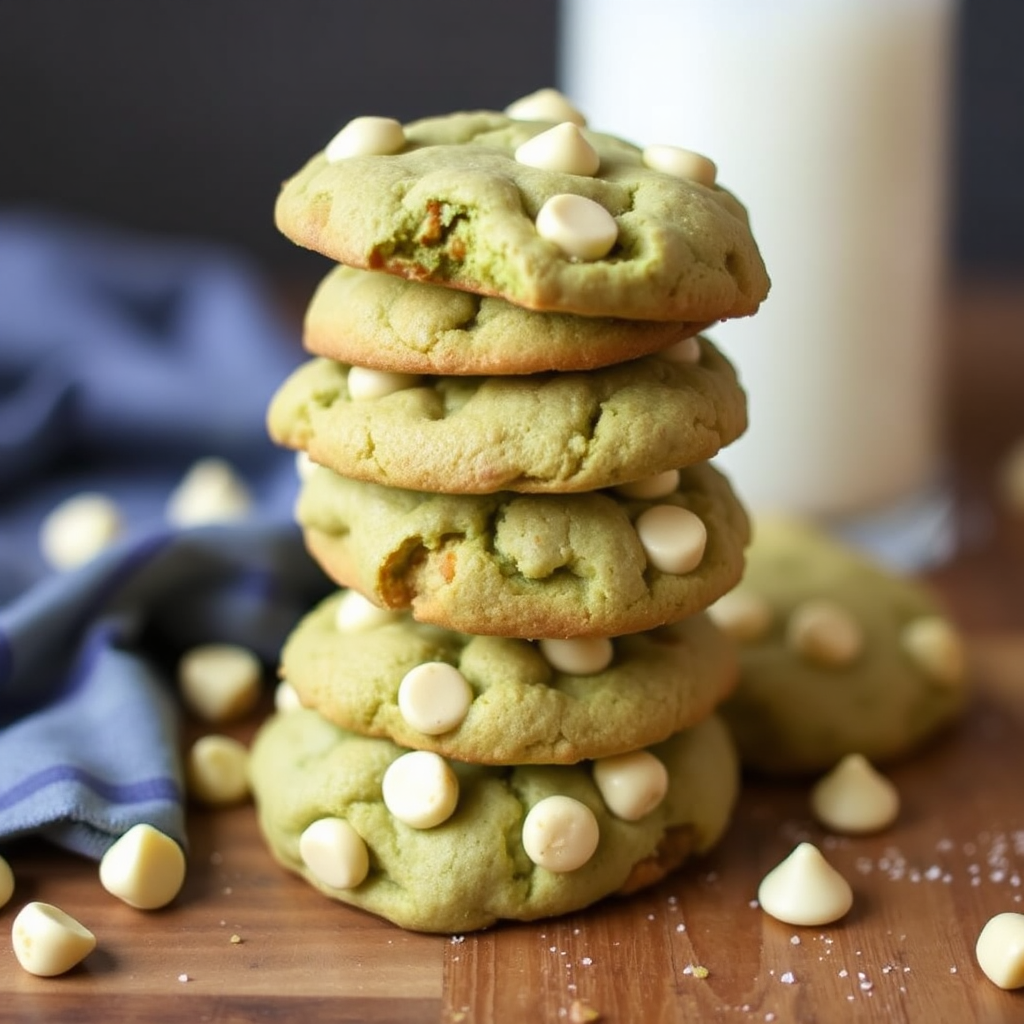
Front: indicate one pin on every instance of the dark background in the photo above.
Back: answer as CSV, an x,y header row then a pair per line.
x,y
183,116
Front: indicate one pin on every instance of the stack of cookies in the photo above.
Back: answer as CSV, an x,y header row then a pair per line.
x,y
507,710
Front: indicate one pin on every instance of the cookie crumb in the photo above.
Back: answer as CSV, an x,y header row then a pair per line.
x,y
236,940
581,1013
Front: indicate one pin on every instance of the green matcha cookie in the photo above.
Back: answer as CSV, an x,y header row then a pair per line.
x,y
595,564
560,432
453,205
519,843
493,700
837,655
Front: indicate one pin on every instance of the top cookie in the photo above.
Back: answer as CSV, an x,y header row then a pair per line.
x,y
454,205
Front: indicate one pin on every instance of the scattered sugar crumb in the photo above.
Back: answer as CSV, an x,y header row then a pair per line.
x,y
680,927
844,973
183,978
794,940
753,904
586,961
952,969
769,1016
456,939
788,978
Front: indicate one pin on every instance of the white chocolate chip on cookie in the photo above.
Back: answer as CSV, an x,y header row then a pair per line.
x,y
581,228
686,351
1000,950
854,798
210,492
220,682
286,698
673,538
825,633
657,486
805,889
582,656
366,136
420,789
78,529
217,770
305,467
936,648
335,852
545,105
47,941
562,148
632,784
560,833
365,384
742,615
356,613
434,697
144,868
680,163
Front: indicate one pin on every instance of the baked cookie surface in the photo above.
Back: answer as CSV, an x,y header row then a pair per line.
x,y
520,708
472,869
454,206
543,433
523,565
837,655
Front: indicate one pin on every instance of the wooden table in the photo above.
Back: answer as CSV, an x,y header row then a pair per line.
x,y
247,942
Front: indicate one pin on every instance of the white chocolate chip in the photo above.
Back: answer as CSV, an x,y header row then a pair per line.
x,y
305,467
366,136
420,789
47,941
824,633
545,105
579,656
145,868
434,697
581,228
6,882
854,798
805,889
560,834
936,648
78,529
657,486
680,163
632,784
217,770
210,492
562,148
365,384
686,351
355,613
742,615
673,538
286,698
1000,950
219,682
335,852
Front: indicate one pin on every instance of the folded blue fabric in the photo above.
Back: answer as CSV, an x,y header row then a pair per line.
x,y
123,360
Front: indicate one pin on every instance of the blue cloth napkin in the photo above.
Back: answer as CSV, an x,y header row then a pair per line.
x,y
123,360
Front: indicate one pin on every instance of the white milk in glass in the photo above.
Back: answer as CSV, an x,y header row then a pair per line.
x,y
828,118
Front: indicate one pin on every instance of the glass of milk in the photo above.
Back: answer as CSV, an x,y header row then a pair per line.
x,y
828,119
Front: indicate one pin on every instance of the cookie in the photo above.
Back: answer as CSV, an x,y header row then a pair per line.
x,y
494,700
390,323
320,794
594,564
544,433
455,206
837,655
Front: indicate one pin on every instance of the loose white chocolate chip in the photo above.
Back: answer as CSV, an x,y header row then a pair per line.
x,y
825,633
545,105
742,614
356,613
680,163
686,351
210,492
217,770
219,682
366,136
632,784
657,486
47,941
365,384
420,789
582,656
434,697
286,698
1000,950
854,798
805,889
335,852
6,882
144,868
936,648
673,538
560,834
562,148
78,529
581,228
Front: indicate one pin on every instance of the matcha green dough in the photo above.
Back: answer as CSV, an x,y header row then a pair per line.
x,y
472,870
454,207
558,433
520,565
790,715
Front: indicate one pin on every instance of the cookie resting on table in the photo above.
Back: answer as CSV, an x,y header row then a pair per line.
x,y
837,655
455,200
544,433
495,700
440,846
545,565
